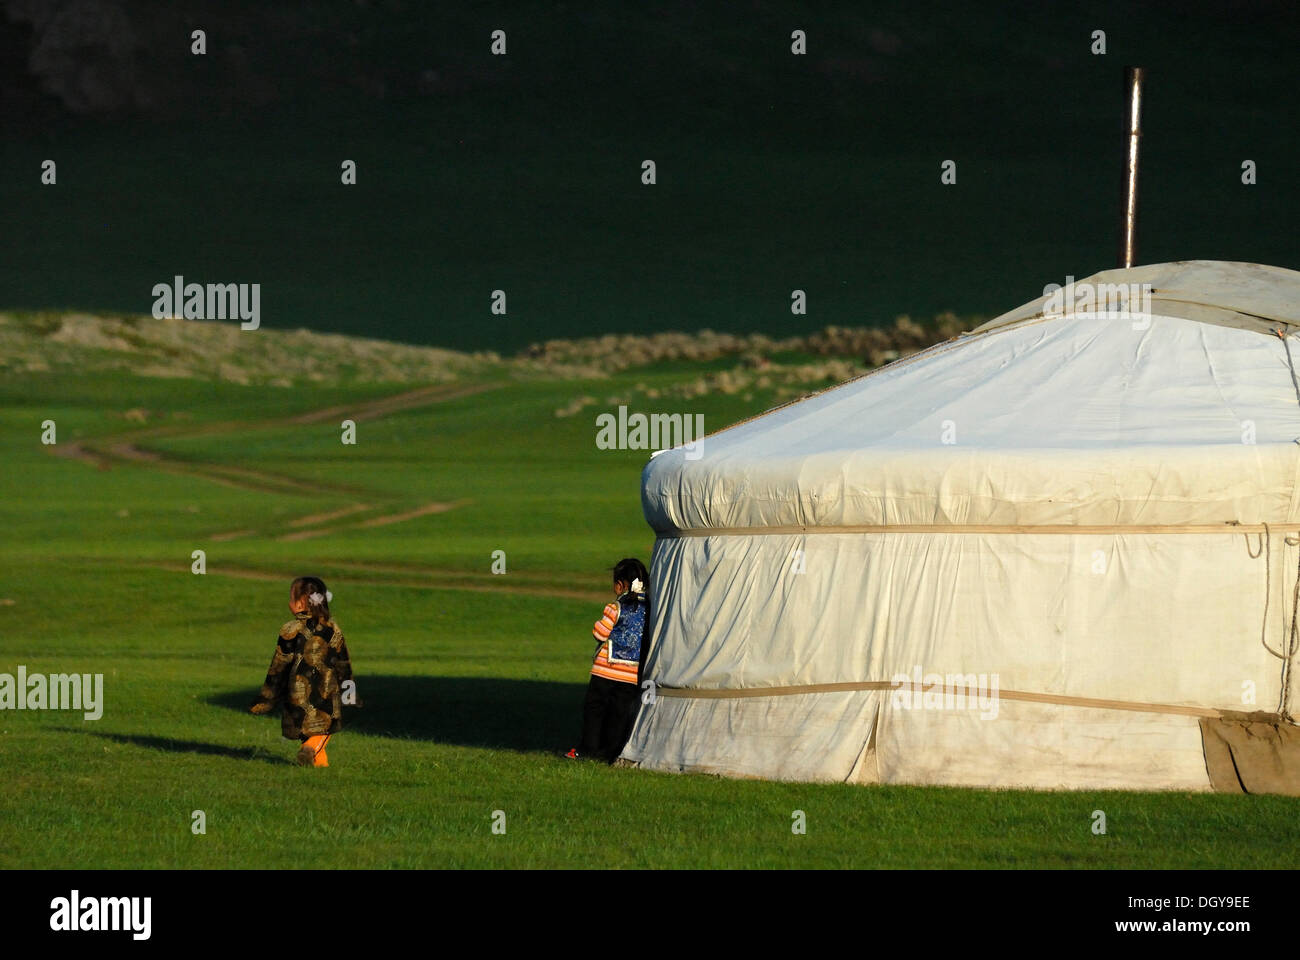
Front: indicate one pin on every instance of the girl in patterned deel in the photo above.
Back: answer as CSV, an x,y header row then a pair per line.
x,y
612,693
310,673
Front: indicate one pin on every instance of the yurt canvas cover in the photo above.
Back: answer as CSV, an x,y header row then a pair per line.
x,y
1090,512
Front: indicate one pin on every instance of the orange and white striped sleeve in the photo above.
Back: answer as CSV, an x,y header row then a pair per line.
x,y
606,623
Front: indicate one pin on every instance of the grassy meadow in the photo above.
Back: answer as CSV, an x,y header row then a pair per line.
x,y
471,682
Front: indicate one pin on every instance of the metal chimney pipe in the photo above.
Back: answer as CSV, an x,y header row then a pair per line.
x,y
1133,77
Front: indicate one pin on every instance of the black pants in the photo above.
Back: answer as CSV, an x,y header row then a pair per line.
x,y
608,713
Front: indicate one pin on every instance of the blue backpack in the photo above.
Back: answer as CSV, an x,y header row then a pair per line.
x,y
625,638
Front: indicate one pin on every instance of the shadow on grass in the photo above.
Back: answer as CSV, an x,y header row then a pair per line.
x,y
192,746
488,712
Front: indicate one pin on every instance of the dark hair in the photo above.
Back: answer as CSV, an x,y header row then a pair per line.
x,y
630,569
305,587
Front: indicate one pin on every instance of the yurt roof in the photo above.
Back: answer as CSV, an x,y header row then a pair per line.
x,y
1248,295
1032,419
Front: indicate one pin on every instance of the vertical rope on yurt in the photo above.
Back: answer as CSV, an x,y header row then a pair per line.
x,y
1284,706
1266,548
1293,640
1284,703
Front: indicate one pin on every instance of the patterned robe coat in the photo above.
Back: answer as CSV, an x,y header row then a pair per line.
x,y
306,678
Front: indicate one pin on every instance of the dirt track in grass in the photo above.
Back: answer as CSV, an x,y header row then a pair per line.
x,y
108,453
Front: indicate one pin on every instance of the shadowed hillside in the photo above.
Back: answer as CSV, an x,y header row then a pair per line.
x,y
521,172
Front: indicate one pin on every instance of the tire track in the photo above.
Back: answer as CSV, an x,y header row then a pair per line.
x,y
104,454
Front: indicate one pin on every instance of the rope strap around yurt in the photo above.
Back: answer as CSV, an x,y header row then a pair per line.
x,y
740,693
1046,529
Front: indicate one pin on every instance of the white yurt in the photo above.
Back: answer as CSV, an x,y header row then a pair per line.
x,y
1059,551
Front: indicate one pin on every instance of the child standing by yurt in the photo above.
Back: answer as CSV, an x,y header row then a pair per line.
x,y
610,707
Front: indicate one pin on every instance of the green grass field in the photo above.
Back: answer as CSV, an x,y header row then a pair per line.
x,y
95,577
